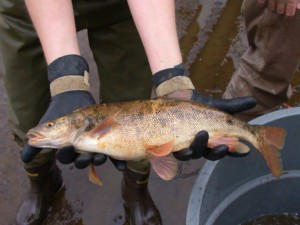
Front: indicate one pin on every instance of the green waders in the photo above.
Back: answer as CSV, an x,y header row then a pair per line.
x,y
273,56
123,72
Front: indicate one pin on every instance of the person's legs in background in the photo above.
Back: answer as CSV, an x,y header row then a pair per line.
x,y
25,79
268,65
125,75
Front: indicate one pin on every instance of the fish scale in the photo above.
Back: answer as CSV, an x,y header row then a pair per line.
x,y
154,129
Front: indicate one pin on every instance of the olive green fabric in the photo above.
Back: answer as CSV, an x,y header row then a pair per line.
x,y
268,65
142,166
114,41
25,75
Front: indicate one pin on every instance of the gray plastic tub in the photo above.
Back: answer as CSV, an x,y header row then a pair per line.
x,y
234,190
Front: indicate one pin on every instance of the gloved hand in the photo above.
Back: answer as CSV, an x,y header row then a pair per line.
x,y
286,7
68,77
172,83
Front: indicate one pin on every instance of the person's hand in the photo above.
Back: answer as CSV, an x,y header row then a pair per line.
x,y
68,77
172,83
68,155
286,7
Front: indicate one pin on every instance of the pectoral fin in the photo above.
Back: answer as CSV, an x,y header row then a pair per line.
x,y
93,176
103,128
160,150
165,166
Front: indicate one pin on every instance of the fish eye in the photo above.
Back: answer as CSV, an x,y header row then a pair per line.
x,y
50,124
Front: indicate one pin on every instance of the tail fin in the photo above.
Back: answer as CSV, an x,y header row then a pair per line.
x,y
273,141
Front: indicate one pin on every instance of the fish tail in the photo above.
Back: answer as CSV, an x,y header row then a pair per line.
x,y
273,141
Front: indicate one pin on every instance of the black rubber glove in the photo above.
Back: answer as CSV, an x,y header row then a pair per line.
x,y
66,100
199,146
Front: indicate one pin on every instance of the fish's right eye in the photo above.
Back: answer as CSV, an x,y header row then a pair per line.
x,y
50,124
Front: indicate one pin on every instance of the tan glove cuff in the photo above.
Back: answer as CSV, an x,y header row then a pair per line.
x,y
70,83
175,84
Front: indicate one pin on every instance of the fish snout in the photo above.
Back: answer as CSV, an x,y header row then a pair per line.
x,y
34,136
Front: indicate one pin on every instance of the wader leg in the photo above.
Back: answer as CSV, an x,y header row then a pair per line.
x,y
267,67
137,202
25,74
25,79
45,182
125,75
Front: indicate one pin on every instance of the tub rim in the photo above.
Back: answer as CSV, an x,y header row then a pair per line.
x,y
199,187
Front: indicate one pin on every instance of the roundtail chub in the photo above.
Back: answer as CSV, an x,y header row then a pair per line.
x,y
154,129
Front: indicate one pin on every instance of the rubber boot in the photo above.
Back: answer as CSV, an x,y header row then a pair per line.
x,y
45,182
138,204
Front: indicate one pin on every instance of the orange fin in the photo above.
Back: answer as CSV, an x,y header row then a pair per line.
x,y
273,141
160,150
93,176
166,166
241,148
232,142
103,128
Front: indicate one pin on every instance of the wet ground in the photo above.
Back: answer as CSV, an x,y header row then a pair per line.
x,y
212,40
281,219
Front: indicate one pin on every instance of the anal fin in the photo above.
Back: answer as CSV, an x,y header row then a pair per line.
x,y
165,166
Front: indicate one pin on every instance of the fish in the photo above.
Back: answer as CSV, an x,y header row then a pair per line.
x,y
154,129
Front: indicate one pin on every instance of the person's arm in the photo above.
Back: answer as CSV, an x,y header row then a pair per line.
x,y
55,26
155,21
67,73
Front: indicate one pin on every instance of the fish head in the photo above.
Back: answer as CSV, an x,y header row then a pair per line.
x,y
56,133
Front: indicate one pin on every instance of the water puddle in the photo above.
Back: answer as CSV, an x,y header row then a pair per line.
x,y
276,219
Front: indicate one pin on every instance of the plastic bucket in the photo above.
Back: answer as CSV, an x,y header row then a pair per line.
x,y
234,190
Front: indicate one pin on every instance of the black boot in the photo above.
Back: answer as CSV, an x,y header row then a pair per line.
x,y
45,182
138,204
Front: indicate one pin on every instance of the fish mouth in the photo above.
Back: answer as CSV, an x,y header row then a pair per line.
x,y
35,136
38,140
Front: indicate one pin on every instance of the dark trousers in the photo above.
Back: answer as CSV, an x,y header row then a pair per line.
x,y
124,72
270,62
